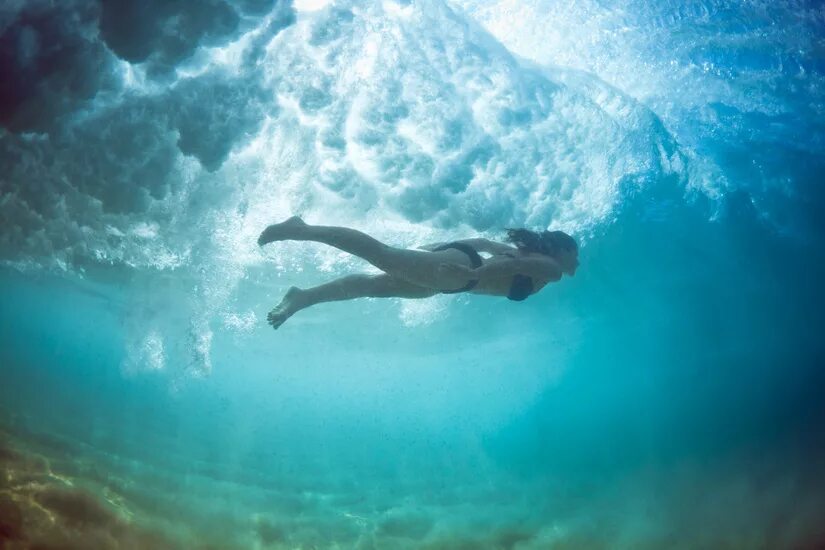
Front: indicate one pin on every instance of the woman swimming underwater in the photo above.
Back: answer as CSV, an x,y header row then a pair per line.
x,y
512,271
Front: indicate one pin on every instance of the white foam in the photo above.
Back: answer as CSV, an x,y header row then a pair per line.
x,y
681,61
310,5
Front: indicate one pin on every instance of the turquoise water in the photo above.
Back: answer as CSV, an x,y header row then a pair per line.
x,y
667,396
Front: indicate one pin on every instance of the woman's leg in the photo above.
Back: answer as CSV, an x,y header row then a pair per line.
x,y
414,266
345,288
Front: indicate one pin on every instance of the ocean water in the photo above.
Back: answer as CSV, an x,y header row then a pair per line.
x,y
667,396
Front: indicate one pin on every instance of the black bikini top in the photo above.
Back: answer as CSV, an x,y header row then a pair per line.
x,y
520,288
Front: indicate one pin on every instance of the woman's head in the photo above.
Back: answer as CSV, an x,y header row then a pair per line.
x,y
556,244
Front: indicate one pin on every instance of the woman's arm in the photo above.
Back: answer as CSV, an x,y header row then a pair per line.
x,y
541,268
480,245
492,247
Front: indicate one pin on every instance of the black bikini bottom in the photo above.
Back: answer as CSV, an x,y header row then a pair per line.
x,y
475,260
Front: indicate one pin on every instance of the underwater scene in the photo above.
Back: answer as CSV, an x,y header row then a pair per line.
x,y
160,389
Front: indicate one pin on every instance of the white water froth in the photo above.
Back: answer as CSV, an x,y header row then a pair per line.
x,y
410,112
702,67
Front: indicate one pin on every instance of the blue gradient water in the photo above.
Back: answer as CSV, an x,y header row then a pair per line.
x,y
667,396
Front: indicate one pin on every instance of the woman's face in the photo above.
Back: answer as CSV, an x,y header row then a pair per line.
x,y
568,261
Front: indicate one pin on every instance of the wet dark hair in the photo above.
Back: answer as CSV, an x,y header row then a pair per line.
x,y
546,242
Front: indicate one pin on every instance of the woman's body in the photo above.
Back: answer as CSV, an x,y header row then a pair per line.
x,y
433,269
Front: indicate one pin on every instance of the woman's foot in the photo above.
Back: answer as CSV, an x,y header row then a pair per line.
x,y
281,231
288,306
